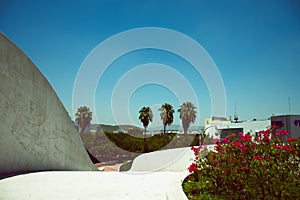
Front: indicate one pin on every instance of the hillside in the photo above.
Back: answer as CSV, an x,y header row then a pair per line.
x,y
112,128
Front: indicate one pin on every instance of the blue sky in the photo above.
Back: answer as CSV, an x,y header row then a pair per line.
x,y
254,44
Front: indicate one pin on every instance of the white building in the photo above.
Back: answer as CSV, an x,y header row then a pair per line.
x,y
213,124
220,127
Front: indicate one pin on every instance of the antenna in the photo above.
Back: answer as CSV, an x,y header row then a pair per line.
x,y
235,107
289,102
235,114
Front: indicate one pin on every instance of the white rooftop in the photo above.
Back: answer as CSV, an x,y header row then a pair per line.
x,y
157,175
93,185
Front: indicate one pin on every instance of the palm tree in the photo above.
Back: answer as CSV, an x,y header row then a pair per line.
x,y
166,114
146,116
187,115
83,118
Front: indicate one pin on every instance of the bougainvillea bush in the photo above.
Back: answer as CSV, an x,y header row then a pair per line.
x,y
242,167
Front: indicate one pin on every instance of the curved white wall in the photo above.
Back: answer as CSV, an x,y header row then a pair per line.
x,y
36,132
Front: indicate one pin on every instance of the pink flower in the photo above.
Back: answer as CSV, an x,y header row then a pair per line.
x,y
243,138
226,141
246,138
287,147
282,132
278,133
266,139
218,147
215,140
257,157
236,144
292,139
245,148
244,161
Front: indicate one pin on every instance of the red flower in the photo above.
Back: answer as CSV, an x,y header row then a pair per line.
x,y
274,127
192,168
257,157
196,150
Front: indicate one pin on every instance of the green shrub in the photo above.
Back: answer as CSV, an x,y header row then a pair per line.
x,y
153,143
247,168
122,147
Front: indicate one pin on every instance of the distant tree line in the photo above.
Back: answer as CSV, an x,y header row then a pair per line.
x,y
187,115
122,147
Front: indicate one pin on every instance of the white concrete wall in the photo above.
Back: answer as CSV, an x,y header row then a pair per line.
x,y
171,160
36,132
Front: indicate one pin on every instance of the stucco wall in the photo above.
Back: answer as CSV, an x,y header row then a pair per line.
x,y
36,132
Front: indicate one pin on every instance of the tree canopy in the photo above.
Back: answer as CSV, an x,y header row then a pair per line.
x,y
83,118
166,115
187,115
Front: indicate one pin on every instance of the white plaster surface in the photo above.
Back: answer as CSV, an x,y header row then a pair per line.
x,y
94,185
171,160
36,132
154,176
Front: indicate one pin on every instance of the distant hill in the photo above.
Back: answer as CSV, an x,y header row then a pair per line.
x,y
120,128
175,127
127,127
112,128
